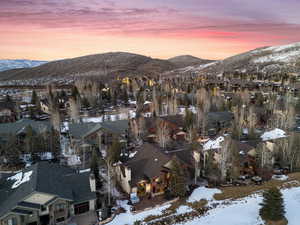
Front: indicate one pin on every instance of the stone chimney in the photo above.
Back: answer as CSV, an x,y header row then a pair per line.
x,y
92,182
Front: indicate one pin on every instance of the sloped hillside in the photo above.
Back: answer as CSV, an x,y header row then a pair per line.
x,y
277,59
187,60
115,63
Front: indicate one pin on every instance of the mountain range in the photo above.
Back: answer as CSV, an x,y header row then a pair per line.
x,y
112,63
285,58
8,64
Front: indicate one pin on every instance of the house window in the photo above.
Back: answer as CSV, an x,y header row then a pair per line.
x,y
12,221
60,207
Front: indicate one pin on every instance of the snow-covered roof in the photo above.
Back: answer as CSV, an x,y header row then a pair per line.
x,y
213,144
20,178
273,134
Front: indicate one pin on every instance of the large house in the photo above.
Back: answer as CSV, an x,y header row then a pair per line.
x,y
45,193
19,128
85,137
147,172
91,134
150,128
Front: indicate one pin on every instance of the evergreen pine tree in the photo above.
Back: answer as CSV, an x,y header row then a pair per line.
x,y
177,180
11,151
114,151
272,206
95,168
34,98
7,98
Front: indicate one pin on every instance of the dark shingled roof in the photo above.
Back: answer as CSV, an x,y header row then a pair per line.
x,y
21,125
49,178
176,120
220,116
147,163
82,130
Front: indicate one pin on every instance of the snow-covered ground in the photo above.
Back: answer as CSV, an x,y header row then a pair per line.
x,y
129,217
283,53
292,205
240,212
203,193
244,211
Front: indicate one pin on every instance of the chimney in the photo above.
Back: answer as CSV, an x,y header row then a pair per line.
x,y
92,182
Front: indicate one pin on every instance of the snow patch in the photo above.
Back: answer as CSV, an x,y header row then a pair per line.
x,y
129,217
203,193
273,134
20,178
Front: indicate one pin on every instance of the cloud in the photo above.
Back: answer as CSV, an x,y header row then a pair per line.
x,y
251,23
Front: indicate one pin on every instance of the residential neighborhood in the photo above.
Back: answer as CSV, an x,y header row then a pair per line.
x,y
74,156
149,112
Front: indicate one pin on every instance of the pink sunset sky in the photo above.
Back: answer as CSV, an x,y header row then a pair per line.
x,y
213,29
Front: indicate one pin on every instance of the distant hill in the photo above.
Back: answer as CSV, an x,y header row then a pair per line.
x,y
113,63
187,60
8,64
277,59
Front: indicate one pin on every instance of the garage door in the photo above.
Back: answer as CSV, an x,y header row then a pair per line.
x,y
81,208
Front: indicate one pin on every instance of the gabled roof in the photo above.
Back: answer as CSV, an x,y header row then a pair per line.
x,y
117,127
21,125
147,163
82,130
44,177
177,120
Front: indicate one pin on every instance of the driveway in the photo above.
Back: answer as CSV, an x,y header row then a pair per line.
x,y
88,218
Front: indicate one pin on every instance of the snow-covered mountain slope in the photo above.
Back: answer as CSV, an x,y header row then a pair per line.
x,y
8,64
277,59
